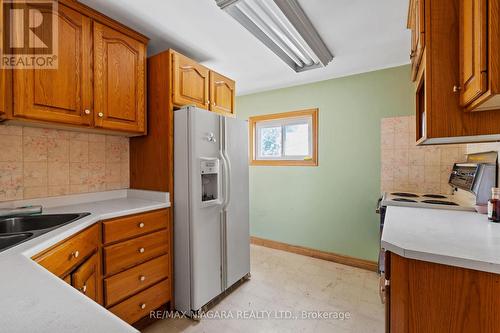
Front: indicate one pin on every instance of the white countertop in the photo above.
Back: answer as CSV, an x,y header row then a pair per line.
x,y
456,238
34,300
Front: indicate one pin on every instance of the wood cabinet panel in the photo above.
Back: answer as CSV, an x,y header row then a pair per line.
x,y
221,93
86,277
119,80
473,49
191,82
63,257
60,95
445,119
429,297
6,92
132,226
129,253
127,283
139,306
416,22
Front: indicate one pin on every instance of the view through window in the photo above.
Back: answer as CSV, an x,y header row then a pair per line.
x,y
285,138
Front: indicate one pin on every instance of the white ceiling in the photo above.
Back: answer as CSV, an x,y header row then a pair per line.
x,y
363,35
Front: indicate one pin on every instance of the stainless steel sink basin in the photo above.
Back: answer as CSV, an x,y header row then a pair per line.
x,y
36,222
10,240
17,229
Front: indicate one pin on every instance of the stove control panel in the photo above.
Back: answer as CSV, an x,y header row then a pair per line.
x,y
463,176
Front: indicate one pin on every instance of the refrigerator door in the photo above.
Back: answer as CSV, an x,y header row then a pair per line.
x,y
237,252
205,220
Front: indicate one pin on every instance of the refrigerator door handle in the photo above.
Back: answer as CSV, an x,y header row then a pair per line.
x,y
223,159
227,174
225,162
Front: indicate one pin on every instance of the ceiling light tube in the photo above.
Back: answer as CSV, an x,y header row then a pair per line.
x,y
284,28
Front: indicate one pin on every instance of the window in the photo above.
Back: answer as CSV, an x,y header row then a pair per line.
x,y
289,138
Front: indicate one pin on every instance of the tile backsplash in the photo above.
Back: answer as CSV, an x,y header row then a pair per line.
x,y
40,162
407,167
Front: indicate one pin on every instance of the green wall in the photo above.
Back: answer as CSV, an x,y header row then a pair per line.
x,y
330,207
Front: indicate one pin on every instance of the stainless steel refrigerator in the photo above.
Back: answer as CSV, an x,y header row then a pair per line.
x,y
211,218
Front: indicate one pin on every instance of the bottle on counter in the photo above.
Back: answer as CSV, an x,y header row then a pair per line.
x,y
494,205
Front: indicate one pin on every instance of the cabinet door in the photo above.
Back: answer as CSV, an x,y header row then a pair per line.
x,y
63,94
221,93
6,89
119,80
417,25
86,277
190,82
473,49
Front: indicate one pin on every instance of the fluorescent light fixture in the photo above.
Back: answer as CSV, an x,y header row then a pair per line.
x,y
284,28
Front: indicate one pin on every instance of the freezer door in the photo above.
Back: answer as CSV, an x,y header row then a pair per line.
x,y
205,227
237,212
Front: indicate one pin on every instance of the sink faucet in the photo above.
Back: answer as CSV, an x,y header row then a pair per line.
x,y
25,210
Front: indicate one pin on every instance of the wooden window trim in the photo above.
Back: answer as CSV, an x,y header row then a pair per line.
x,y
313,113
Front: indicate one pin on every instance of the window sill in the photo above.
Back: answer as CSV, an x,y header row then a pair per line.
x,y
283,163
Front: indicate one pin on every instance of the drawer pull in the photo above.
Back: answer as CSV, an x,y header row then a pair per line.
x,y
75,254
141,225
143,306
84,288
141,250
142,278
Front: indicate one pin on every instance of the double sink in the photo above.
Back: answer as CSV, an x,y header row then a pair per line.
x,y
18,229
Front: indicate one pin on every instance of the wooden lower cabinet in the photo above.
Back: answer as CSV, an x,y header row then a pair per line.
x,y
139,306
76,260
137,267
86,277
430,297
123,263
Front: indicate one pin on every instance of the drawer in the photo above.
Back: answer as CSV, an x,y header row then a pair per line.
x,y
129,253
68,254
127,283
132,226
139,306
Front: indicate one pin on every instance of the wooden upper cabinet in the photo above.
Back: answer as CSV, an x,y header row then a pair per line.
x,y
119,80
479,82
6,92
190,82
221,93
416,22
59,95
473,50
86,277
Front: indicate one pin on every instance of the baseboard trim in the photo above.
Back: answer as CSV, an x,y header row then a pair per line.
x,y
305,251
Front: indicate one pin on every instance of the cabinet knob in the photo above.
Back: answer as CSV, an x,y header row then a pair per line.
x,y
456,89
141,250
142,278
84,289
100,114
87,111
143,306
75,254
141,225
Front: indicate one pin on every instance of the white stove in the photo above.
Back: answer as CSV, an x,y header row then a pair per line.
x,y
428,200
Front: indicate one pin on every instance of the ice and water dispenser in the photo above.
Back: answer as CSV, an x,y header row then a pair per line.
x,y
210,187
